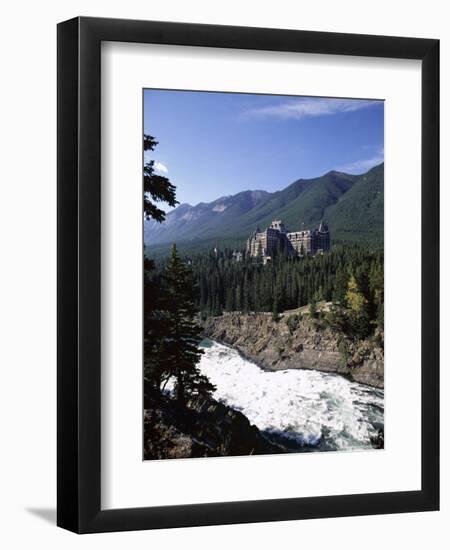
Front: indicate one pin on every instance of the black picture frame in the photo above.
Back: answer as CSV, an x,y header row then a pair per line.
x,y
79,280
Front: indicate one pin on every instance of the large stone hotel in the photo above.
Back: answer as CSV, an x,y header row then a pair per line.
x,y
297,243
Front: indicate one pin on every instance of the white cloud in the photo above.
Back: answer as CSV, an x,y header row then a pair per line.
x,y
160,167
362,165
310,107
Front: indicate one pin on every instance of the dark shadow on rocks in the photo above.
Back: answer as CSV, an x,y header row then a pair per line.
x,y
201,427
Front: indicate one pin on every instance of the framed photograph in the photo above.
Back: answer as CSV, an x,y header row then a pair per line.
x,y
248,256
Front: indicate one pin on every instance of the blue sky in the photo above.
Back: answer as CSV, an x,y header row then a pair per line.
x,y
217,144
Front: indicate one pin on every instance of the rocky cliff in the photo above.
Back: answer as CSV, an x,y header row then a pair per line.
x,y
297,342
201,427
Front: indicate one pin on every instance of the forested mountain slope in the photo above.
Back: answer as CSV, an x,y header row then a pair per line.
x,y
352,206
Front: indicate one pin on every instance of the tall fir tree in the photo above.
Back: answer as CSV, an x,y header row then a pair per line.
x,y
183,335
157,188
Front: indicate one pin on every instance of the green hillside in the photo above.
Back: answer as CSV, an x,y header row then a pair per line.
x,y
302,203
352,206
358,215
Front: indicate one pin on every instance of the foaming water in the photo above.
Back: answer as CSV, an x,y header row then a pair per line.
x,y
305,410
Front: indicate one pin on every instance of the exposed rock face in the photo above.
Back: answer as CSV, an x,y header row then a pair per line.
x,y
203,427
277,345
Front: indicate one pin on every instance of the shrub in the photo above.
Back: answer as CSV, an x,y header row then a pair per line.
x,y
292,323
344,352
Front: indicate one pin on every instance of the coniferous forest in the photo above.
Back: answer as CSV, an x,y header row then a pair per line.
x,y
223,284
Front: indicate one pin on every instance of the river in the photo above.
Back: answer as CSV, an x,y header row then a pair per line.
x,y
301,409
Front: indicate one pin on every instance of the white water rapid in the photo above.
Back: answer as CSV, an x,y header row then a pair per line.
x,y
302,409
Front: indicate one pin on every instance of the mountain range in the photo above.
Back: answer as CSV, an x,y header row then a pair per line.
x,y
351,205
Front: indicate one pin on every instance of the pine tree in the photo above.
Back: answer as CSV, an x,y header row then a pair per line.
x,y
238,297
183,334
260,254
156,369
156,188
156,366
340,286
275,310
229,300
277,299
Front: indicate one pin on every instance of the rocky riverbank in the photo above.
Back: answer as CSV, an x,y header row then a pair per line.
x,y
201,427
297,342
